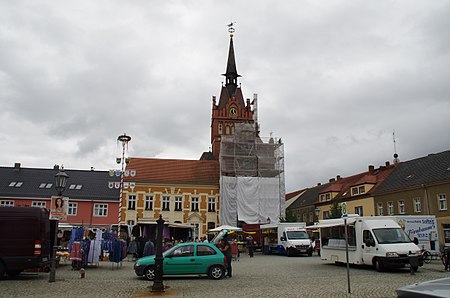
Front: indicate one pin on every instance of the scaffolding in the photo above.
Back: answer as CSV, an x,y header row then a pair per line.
x,y
251,177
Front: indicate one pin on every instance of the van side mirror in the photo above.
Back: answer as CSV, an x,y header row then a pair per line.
x,y
282,238
416,241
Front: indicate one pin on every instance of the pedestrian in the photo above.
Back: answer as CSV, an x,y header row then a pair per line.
x,y
249,240
447,258
149,248
266,245
225,248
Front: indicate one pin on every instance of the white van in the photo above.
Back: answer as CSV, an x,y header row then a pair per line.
x,y
378,242
287,238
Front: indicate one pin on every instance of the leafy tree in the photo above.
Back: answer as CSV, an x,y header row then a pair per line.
x,y
289,217
335,209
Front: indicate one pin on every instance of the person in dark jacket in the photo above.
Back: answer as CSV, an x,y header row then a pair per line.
x,y
225,248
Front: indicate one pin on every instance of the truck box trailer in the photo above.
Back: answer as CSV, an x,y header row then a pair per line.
x,y
287,238
376,241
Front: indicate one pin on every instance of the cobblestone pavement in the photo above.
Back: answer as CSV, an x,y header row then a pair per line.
x,y
261,276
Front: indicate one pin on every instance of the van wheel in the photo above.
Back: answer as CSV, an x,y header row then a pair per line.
x,y
2,270
378,265
13,273
289,252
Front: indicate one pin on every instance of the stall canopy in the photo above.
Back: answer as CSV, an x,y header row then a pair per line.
x,y
225,227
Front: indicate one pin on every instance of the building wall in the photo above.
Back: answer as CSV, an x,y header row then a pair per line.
x,y
85,211
367,205
198,218
428,196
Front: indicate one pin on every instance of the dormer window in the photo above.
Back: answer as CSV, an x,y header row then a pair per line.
x,y
325,197
358,190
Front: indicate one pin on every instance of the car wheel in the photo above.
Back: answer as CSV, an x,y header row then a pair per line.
x,y
415,268
150,273
216,272
378,265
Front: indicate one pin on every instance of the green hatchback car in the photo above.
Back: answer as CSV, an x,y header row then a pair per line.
x,y
191,258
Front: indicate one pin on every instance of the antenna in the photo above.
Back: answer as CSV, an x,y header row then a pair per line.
x,y
396,159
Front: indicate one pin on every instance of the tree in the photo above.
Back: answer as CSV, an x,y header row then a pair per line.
x,y
289,217
335,210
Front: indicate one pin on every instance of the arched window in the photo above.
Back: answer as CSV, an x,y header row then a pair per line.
x,y
220,127
227,130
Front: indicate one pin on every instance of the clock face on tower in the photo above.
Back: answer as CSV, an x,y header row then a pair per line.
x,y
233,111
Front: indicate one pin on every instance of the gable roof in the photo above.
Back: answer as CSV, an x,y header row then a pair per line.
x,y
94,184
309,197
174,171
431,169
373,176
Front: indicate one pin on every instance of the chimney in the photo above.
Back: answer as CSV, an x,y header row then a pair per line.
x,y
388,163
319,184
17,166
371,169
338,177
332,180
56,167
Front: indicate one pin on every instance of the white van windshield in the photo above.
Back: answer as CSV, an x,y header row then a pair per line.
x,y
391,235
293,235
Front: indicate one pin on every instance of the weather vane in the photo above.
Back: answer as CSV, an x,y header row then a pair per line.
x,y
231,28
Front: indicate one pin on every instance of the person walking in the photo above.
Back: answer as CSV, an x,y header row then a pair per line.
x,y
249,240
225,248
266,245
149,248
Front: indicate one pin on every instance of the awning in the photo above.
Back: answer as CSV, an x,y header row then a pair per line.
x,y
225,227
332,223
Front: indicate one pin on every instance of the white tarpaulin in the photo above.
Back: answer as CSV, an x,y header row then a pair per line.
x,y
250,199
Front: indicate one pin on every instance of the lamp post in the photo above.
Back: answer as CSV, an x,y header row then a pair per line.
x,y
317,212
158,285
60,184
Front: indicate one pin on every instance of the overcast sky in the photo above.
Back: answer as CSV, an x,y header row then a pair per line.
x,y
334,80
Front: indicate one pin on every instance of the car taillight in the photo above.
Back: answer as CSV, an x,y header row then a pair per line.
x,y
37,248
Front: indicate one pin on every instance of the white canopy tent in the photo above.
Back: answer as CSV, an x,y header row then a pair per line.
x,y
225,227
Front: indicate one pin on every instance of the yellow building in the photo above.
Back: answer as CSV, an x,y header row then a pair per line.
x,y
182,191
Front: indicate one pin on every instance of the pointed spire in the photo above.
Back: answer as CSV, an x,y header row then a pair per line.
x,y
231,74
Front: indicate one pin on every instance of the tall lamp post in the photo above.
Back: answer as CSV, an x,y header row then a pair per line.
x,y
60,184
158,285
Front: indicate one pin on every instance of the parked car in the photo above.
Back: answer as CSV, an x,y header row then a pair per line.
x,y
192,258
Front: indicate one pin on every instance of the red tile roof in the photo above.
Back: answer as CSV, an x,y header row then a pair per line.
x,y
174,171
343,185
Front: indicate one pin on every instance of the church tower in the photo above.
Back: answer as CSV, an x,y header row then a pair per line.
x,y
231,108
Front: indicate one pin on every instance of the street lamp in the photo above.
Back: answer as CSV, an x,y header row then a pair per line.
x,y
158,285
317,211
60,184
61,181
